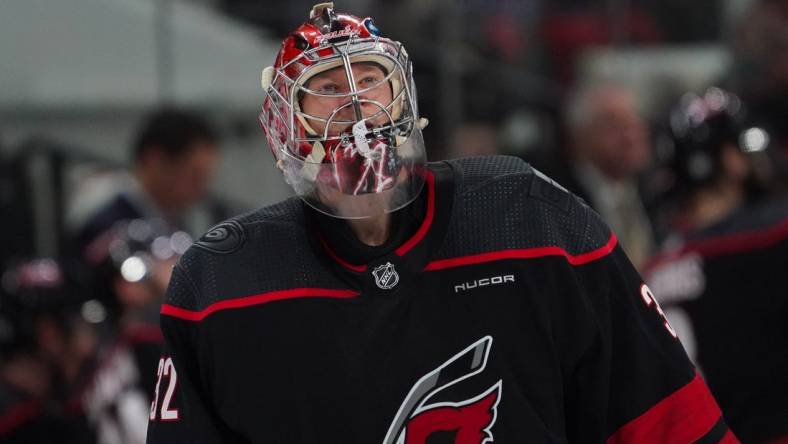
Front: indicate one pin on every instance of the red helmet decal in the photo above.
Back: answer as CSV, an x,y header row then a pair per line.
x,y
309,36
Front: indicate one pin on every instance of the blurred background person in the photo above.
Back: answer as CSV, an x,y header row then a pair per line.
x,y
133,228
78,361
129,241
712,162
760,73
128,284
47,348
609,149
175,155
720,276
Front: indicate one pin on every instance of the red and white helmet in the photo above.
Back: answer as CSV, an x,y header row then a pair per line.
x,y
361,158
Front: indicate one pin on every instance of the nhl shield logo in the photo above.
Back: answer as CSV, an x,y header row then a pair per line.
x,y
386,276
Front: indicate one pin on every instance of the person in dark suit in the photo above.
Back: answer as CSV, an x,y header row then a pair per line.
x,y
608,148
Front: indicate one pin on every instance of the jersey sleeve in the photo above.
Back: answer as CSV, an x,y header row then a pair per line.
x,y
181,410
633,383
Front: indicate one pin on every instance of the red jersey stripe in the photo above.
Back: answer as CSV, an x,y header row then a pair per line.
x,y
682,417
339,260
264,298
425,225
525,253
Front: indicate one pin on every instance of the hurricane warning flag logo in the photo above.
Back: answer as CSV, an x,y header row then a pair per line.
x,y
470,420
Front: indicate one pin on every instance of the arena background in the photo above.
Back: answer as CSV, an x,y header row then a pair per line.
x,y
77,77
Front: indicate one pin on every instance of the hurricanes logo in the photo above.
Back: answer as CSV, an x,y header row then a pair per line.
x,y
386,277
470,420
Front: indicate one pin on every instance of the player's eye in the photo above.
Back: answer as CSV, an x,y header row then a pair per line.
x,y
328,88
369,81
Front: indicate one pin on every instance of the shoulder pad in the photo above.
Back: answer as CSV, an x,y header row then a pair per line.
x,y
548,190
224,238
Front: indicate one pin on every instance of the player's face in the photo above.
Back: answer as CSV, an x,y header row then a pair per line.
x,y
182,180
617,137
367,76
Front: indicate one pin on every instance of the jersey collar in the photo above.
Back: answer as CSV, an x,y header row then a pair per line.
x,y
411,250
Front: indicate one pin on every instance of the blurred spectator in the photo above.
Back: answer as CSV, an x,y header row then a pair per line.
x,y
175,155
46,348
130,244
77,368
760,74
136,265
721,278
711,160
609,148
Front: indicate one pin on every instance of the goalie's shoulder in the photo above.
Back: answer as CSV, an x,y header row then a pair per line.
x,y
260,252
503,203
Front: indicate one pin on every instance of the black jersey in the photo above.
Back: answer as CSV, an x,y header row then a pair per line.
x,y
724,292
510,315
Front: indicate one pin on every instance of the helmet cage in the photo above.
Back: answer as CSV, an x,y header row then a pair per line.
x,y
283,113
384,152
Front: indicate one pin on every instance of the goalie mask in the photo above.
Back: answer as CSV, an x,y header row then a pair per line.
x,y
340,116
